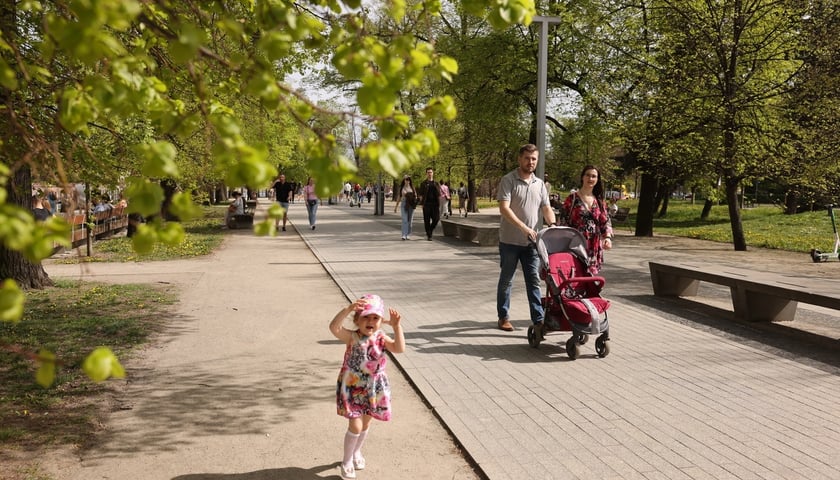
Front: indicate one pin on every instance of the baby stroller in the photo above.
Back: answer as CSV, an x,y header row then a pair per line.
x,y
572,301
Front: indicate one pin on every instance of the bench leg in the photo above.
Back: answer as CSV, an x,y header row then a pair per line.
x,y
488,237
666,285
466,234
758,307
449,229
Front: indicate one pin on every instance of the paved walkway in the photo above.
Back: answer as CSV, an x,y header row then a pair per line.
x,y
686,392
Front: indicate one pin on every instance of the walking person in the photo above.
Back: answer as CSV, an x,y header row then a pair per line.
x,y
282,194
363,392
406,201
311,199
586,211
444,199
523,202
463,196
429,195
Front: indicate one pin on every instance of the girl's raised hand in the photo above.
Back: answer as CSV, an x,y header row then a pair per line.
x,y
394,321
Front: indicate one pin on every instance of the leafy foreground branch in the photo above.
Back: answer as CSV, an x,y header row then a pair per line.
x,y
71,319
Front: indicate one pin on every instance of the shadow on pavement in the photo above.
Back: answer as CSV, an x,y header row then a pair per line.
x,y
288,473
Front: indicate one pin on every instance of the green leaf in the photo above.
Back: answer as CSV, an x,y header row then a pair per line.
x,y
275,44
144,239
144,197
183,207
8,78
159,160
171,234
448,64
75,110
102,364
184,48
11,301
265,228
45,376
375,101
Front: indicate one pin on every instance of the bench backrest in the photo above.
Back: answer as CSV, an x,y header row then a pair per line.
x,y
622,214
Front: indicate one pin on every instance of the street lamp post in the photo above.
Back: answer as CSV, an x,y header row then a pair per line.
x,y
542,87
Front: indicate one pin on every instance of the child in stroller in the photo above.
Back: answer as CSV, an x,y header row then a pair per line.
x,y
573,301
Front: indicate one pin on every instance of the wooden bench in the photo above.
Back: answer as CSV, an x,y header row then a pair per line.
x,y
485,233
756,296
245,220
621,216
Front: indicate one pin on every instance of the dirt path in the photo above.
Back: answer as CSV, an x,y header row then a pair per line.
x,y
242,384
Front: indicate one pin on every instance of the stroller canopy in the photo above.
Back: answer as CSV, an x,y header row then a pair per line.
x,y
561,239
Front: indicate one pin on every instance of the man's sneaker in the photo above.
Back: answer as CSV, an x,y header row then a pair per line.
x,y
359,462
347,472
504,324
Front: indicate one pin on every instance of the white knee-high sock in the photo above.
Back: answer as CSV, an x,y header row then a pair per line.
x,y
357,452
350,440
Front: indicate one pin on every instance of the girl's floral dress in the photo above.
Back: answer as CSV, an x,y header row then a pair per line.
x,y
594,224
362,387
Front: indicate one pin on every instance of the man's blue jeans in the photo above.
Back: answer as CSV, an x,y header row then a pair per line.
x,y
509,256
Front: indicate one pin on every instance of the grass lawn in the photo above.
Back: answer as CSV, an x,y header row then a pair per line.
x,y
202,236
70,319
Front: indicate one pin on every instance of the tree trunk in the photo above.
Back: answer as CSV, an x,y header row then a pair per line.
x,y
791,201
707,209
19,187
644,217
739,241
12,263
472,201
169,189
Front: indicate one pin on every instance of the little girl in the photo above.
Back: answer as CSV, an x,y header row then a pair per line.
x,y
363,391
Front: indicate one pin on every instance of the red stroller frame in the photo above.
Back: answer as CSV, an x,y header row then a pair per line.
x,y
573,301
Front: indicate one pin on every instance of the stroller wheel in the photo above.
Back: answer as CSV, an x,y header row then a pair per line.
x,y
602,346
533,337
583,339
572,349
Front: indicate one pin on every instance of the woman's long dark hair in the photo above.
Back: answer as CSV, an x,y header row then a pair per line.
x,y
598,189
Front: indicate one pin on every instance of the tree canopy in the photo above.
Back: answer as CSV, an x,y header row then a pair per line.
x,y
138,93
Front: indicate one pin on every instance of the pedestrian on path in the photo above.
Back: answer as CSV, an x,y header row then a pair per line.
x,y
444,199
429,194
407,202
463,195
283,192
586,211
523,202
363,391
311,199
